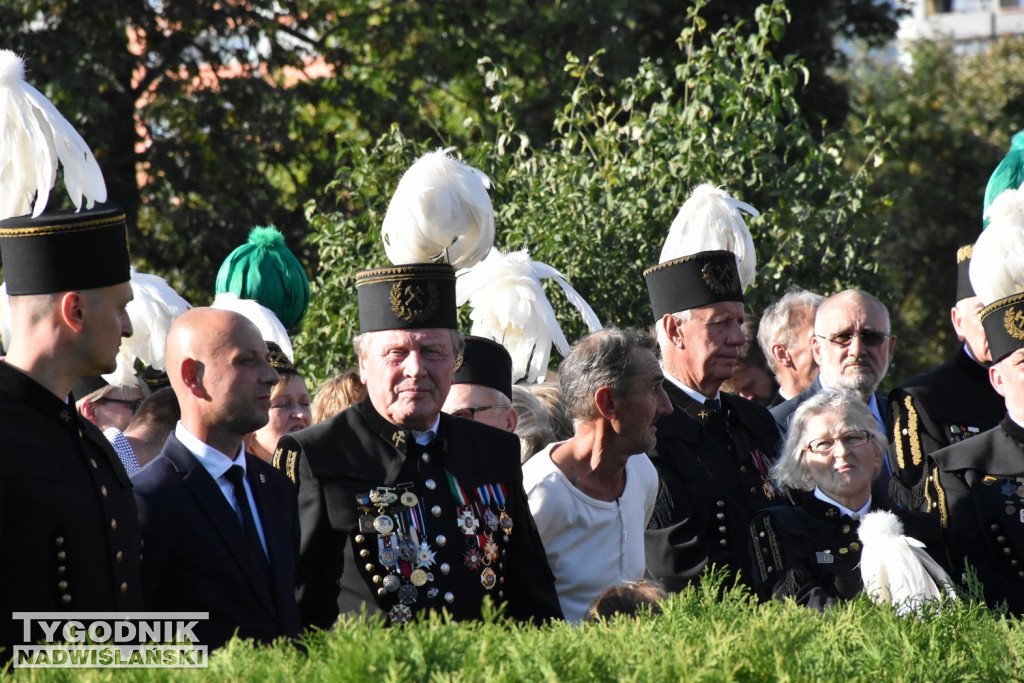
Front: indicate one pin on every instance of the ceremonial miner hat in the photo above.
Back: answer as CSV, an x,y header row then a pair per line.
x,y
708,255
280,360
1004,326
693,281
63,251
413,296
264,270
964,290
486,362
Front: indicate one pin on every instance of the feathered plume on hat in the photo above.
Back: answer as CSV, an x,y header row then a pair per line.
x,y
1009,175
264,269
997,264
261,316
509,306
153,308
440,209
712,220
896,569
34,139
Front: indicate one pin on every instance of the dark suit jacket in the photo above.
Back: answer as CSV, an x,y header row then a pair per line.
x,y
196,557
783,414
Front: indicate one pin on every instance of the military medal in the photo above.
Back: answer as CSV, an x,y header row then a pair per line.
x,y
490,519
400,614
418,577
409,499
488,578
392,583
425,556
505,522
386,554
432,593
407,594
407,550
472,558
383,524
490,550
467,521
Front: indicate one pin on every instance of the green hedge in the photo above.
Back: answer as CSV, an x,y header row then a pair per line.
x,y
699,637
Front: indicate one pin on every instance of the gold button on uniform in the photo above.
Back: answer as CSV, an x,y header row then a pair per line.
x,y
124,587
113,524
95,465
119,556
103,491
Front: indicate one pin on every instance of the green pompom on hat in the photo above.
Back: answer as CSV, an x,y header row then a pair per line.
x,y
265,270
1009,174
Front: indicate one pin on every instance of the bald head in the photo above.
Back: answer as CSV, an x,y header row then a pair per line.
x,y
852,345
220,370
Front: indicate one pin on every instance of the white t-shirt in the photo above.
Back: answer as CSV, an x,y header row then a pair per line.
x,y
591,544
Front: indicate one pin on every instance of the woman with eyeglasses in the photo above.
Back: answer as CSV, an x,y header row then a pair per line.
x,y
811,552
289,406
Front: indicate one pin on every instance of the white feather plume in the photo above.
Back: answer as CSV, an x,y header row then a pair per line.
x,y
153,308
509,306
34,139
997,264
895,568
710,220
440,208
261,316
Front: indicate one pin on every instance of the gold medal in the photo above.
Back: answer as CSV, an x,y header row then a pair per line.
x,y
488,578
383,524
418,577
505,522
409,499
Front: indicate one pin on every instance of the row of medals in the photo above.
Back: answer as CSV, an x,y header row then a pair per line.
x,y
404,545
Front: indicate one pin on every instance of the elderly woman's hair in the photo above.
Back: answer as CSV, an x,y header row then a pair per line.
x,y
627,597
604,358
550,396
533,427
789,470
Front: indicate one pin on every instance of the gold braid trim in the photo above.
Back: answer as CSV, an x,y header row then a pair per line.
x,y
940,497
291,467
275,459
773,545
897,433
912,426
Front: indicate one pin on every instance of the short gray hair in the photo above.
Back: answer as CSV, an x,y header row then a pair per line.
x,y
361,343
659,329
600,359
778,322
534,427
790,471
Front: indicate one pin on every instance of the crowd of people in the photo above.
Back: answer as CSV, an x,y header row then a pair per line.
x,y
433,477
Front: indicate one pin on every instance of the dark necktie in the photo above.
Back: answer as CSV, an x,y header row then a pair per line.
x,y
236,476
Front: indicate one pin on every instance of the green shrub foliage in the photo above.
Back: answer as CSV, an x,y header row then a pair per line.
x,y
596,201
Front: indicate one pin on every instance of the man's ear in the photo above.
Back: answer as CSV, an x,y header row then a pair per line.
x,y
780,354
606,403
88,411
192,376
816,350
673,331
995,378
71,308
512,420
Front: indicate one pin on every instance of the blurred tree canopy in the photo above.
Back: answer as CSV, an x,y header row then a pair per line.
x,y
211,117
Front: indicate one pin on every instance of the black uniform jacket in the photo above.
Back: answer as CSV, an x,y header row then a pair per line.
x,y
68,523
811,552
978,489
945,405
713,477
383,522
196,556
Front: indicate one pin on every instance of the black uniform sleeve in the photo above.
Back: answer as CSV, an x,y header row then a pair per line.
x,y
321,548
674,553
781,567
913,436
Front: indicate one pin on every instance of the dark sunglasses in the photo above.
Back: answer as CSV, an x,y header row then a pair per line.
x,y
867,338
134,403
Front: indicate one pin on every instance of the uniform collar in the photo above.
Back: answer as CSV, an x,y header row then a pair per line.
x,y
22,387
855,514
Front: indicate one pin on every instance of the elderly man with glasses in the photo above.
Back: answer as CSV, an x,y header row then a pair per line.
x,y
852,347
482,387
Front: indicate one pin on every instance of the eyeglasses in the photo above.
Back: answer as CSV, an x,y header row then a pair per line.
x,y
824,445
470,413
867,338
134,403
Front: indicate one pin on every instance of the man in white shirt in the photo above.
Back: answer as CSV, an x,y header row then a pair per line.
x,y
592,496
